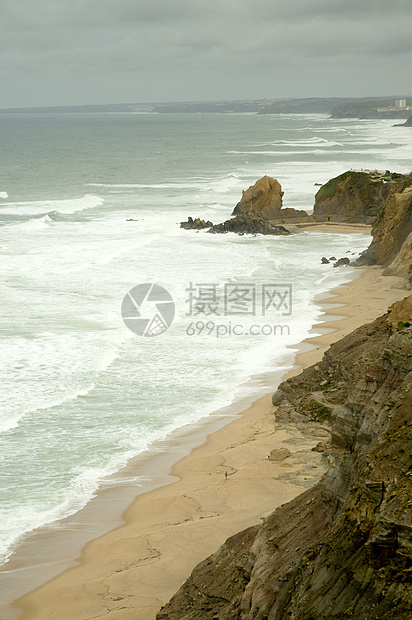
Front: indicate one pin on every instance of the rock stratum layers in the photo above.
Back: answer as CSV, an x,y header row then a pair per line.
x,y
342,549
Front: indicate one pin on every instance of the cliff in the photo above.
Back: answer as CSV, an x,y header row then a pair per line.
x,y
392,233
342,549
353,197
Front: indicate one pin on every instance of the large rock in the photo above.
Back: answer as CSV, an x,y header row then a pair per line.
x,y
249,224
264,198
195,224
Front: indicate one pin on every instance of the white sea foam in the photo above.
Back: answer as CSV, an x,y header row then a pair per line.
x,y
83,393
38,207
4,195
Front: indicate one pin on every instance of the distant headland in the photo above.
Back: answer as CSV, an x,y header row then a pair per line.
x,y
337,107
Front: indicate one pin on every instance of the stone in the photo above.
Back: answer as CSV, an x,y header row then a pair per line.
x,y
279,454
277,398
325,261
342,261
249,224
264,198
195,224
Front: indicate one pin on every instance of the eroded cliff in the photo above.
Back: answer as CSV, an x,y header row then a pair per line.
x,y
342,549
356,196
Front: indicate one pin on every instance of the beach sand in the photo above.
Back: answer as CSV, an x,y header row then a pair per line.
x,y
129,572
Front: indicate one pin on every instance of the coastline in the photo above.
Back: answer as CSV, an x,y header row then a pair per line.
x,y
168,530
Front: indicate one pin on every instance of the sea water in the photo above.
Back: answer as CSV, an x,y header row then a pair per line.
x,y
90,207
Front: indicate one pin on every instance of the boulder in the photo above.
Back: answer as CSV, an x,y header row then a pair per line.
x,y
264,198
279,454
277,398
325,261
249,224
342,261
195,224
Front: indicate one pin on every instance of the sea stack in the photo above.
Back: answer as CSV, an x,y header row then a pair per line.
x,y
264,198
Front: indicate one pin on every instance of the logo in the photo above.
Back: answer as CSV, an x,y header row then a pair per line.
x,y
148,309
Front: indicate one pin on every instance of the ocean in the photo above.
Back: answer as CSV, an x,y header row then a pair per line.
x,y
90,207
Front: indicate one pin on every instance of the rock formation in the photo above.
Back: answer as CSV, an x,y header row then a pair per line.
x,y
392,233
249,224
350,197
342,549
195,224
264,198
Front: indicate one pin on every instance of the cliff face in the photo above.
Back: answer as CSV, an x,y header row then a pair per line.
x,y
391,245
351,197
343,549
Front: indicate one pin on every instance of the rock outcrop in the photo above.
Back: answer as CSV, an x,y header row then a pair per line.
x,y
342,549
249,224
264,198
350,197
407,123
195,224
392,233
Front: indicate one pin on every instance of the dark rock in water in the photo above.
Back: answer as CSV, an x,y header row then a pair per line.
x,y
342,261
324,260
249,224
195,224
277,398
332,258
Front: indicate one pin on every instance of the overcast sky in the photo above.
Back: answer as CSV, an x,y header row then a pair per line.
x,y
57,52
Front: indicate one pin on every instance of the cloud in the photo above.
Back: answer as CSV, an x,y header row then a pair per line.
x,y
229,44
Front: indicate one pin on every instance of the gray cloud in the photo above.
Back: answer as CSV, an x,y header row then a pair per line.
x,y
56,52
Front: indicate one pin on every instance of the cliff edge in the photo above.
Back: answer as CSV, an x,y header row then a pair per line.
x,y
356,196
392,233
342,549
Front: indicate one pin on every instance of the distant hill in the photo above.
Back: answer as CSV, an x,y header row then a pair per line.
x,y
338,107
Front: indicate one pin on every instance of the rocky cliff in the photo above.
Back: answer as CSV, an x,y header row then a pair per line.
x,y
392,233
351,197
342,549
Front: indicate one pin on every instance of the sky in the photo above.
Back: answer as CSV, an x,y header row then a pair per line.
x,y
75,52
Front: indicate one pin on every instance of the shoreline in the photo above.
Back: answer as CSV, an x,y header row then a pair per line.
x,y
167,500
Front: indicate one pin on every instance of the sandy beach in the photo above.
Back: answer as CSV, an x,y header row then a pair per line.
x,y
221,487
